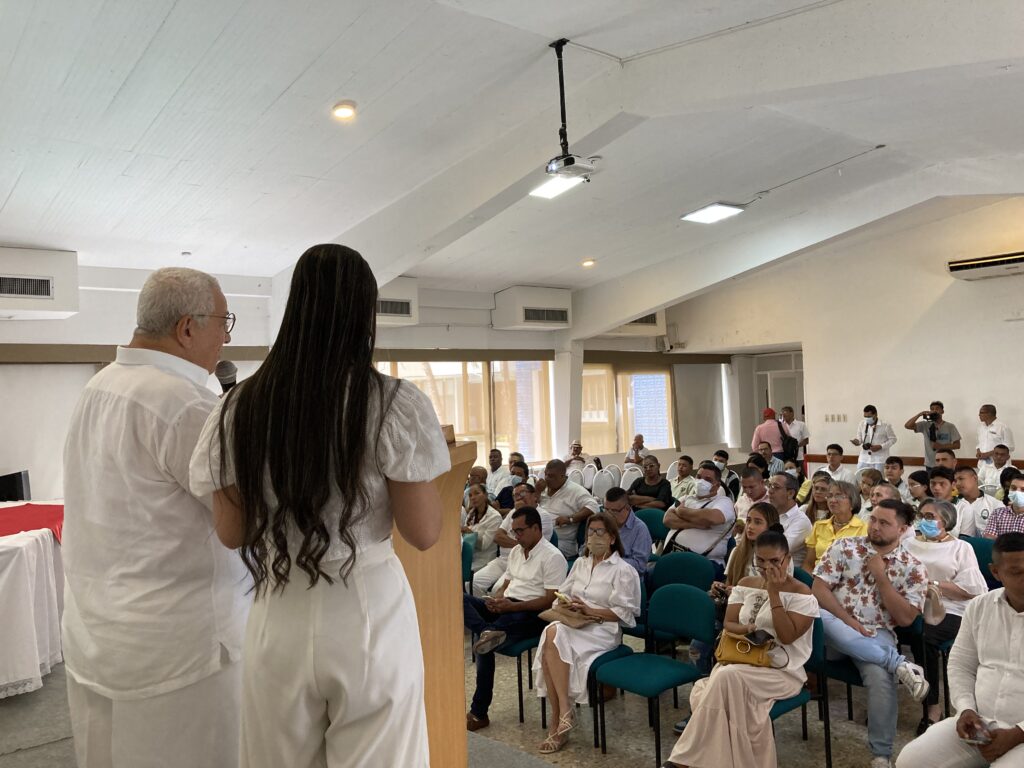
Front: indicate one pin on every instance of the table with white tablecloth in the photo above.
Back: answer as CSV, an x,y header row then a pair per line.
x,y
31,580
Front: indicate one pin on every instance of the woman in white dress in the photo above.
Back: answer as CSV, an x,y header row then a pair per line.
x,y
311,461
729,725
952,567
483,520
602,585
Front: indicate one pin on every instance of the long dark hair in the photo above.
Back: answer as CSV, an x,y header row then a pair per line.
x,y
299,428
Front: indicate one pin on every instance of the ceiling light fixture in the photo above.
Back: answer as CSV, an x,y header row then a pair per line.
x,y
344,110
555,186
709,214
587,263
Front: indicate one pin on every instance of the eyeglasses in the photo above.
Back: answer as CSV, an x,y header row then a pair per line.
x,y
517,532
598,532
835,497
229,320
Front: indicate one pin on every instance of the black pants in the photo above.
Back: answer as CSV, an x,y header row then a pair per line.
x,y
934,636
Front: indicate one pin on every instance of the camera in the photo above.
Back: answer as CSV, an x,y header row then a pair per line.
x,y
932,416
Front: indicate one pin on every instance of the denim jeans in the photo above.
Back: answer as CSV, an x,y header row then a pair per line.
x,y
517,626
876,658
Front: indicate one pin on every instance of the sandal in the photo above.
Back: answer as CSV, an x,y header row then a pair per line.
x,y
566,723
553,743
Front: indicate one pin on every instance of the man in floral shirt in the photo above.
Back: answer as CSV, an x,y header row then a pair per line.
x,y
866,587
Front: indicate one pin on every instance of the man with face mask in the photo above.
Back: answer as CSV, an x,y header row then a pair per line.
x,y
730,480
874,438
518,473
866,587
702,523
1009,519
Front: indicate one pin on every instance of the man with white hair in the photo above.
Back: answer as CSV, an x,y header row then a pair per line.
x,y
155,606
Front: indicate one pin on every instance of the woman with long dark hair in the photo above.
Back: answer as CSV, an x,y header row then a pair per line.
x,y
310,462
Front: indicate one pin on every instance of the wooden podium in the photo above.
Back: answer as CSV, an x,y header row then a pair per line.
x,y
436,578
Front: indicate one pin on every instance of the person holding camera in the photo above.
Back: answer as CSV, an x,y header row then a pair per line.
x,y
874,438
937,432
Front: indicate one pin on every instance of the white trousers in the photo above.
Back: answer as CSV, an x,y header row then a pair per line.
x,y
488,576
333,675
193,727
940,747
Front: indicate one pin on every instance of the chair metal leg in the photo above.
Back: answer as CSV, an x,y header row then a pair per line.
x,y
945,681
849,702
519,673
650,714
529,667
803,719
827,722
604,732
543,712
596,693
656,709
675,698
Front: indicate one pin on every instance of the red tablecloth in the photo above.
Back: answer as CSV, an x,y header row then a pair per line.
x,y
31,517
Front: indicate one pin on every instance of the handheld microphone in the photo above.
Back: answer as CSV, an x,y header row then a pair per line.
x,y
226,373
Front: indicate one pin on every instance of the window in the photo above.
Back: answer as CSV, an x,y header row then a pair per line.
x,y
618,404
599,414
522,408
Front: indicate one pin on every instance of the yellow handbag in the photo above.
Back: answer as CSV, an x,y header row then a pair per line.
x,y
738,649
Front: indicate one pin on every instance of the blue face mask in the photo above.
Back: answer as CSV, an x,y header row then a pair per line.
x,y
929,528
1017,498
516,480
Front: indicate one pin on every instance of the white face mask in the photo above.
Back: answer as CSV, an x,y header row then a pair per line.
x,y
869,420
793,473
720,465
703,488
1017,498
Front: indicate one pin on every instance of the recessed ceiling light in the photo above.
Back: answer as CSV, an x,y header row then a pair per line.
x,y
344,110
709,214
587,263
186,254
556,185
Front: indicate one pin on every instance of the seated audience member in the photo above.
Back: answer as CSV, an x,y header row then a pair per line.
x,y
729,726
519,472
868,479
918,486
835,468
730,480
535,570
601,585
702,523
894,474
755,490
499,476
760,517
989,471
841,522
795,469
632,533
515,456
775,465
979,506
885,491
769,431
944,457
952,567
1008,519
651,491
940,485
816,507
637,451
477,476
868,586
782,490
986,678
684,482
937,433
483,520
576,458
570,503
758,462
525,495
874,438
1005,478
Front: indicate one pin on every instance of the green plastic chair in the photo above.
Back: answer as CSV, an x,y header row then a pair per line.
x,y
679,610
815,664
683,568
803,576
655,522
983,551
467,564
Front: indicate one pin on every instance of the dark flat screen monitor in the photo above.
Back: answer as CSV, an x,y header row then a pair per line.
x,y
15,487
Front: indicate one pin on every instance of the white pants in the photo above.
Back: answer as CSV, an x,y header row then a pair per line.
x,y
488,576
940,747
333,675
193,727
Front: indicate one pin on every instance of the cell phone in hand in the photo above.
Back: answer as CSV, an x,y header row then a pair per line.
x,y
562,597
759,637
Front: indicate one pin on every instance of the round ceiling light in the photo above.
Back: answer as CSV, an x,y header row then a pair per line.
x,y
587,263
344,110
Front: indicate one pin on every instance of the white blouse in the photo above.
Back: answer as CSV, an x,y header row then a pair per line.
x,y
950,560
612,583
410,449
755,608
485,549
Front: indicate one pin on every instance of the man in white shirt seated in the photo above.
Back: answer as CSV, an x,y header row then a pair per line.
x,y
835,467
684,482
524,495
571,504
499,476
702,523
941,482
986,678
893,473
155,606
637,451
754,490
972,521
797,430
782,490
990,472
535,570
991,432
874,438
576,458
730,480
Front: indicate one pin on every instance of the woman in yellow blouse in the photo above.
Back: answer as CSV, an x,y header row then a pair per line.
x,y
842,521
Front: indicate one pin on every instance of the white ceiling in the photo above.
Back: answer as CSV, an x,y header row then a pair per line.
x,y
131,132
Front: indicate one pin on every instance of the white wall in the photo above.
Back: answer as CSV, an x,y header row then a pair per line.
x,y
880,321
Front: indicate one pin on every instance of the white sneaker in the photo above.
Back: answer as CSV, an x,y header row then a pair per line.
x,y
912,677
881,762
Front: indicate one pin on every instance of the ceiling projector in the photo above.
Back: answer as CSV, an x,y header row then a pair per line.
x,y
569,166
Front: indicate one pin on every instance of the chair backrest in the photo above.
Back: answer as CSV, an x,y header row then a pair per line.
x,y
630,475
816,661
803,576
467,561
730,545
983,551
554,538
672,470
532,480
604,481
589,473
682,610
654,520
990,488
575,476
683,568
616,471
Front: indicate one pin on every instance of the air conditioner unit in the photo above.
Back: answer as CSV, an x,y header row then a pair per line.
x,y
987,266
648,325
398,302
524,308
38,285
